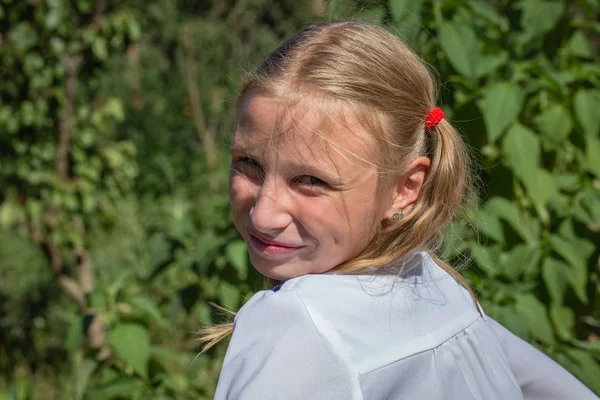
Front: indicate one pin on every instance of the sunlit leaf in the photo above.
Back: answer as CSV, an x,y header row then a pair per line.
x,y
406,17
490,225
521,148
229,295
147,308
24,36
500,106
520,260
541,187
131,341
504,209
461,46
555,274
555,123
539,17
237,254
486,258
123,387
535,316
83,370
576,252
587,104
563,319
489,13
592,152
490,62
579,45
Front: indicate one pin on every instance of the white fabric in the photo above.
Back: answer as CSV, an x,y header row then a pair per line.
x,y
376,337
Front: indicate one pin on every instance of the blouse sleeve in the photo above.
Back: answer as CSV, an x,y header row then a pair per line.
x,y
276,352
539,377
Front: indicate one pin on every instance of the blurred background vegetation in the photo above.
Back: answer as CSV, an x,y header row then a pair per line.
x,y
114,221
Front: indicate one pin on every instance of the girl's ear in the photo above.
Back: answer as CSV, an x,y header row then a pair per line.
x,y
409,187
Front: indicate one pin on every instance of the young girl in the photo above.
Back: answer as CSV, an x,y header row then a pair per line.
x,y
344,174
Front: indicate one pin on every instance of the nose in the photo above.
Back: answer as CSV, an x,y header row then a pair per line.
x,y
270,213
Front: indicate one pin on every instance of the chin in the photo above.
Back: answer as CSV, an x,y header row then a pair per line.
x,y
278,272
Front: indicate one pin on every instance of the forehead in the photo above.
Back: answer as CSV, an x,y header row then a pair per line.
x,y
310,130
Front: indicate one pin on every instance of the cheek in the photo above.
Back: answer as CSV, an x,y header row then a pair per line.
x,y
337,222
360,219
241,195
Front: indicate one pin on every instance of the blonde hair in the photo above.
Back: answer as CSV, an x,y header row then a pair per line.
x,y
380,80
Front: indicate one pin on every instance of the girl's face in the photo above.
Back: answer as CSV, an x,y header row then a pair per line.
x,y
301,206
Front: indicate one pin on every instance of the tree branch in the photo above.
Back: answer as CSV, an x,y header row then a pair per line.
x,y
71,62
191,72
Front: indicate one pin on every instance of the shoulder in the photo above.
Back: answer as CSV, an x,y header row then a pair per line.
x,y
381,318
272,309
280,317
279,349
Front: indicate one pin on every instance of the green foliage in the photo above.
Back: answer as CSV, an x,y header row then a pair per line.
x,y
114,119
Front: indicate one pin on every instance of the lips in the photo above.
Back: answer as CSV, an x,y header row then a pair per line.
x,y
272,248
274,242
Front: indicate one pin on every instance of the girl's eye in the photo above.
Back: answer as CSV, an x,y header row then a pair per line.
x,y
310,180
249,162
248,167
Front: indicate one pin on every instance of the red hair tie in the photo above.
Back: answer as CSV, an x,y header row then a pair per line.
x,y
433,118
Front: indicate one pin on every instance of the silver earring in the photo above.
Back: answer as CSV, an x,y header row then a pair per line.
x,y
398,216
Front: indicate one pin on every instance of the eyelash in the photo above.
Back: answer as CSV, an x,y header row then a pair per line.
x,y
317,182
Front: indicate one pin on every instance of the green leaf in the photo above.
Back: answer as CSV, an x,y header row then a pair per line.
x,y
340,8
535,317
522,151
592,150
159,249
513,321
489,63
539,17
555,274
75,334
406,17
461,46
563,319
555,123
520,260
490,225
500,106
83,370
502,208
576,252
115,287
488,13
24,36
579,46
587,104
373,14
568,182
587,208
229,295
147,308
541,187
237,254
121,388
131,342
486,258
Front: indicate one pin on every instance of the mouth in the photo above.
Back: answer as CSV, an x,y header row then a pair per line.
x,y
272,249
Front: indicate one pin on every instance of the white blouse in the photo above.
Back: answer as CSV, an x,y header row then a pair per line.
x,y
376,337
